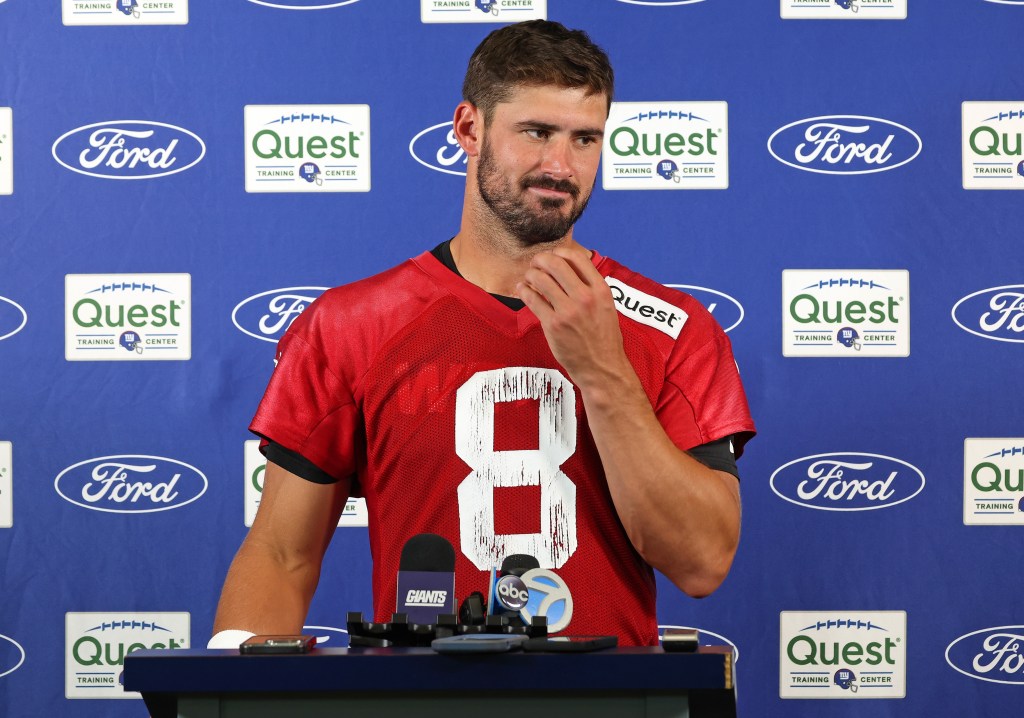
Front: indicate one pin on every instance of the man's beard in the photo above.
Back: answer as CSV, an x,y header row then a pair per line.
x,y
530,227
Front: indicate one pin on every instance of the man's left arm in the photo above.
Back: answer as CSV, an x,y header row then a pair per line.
x,y
682,517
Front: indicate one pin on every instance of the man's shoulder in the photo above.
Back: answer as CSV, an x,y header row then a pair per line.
x,y
404,278
653,305
375,303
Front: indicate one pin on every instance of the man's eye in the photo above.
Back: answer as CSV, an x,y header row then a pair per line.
x,y
537,134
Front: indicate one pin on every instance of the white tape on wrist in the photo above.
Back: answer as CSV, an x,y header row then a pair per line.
x,y
231,638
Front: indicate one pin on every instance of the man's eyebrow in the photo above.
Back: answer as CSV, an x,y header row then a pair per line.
x,y
549,127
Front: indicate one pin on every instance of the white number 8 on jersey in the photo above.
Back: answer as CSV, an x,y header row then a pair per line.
x,y
474,443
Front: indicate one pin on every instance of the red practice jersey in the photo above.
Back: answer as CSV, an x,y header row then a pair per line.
x,y
451,415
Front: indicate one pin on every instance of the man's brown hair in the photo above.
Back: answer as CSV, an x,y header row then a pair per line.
x,y
532,54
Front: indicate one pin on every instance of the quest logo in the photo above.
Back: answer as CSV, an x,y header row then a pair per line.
x,y
6,488
994,482
857,313
666,145
125,12
130,484
12,655
993,145
849,654
476,11
996,313
437,149
991,654
647,309
307,148
266,316
6,151
13,318
844,144
127,317
95,646
726,310
128,150
847,481
843,9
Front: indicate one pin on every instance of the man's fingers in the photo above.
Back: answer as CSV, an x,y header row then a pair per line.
x,y
579,259
546,285
534,301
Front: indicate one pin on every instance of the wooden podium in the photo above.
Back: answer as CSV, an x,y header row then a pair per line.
x,y
419,683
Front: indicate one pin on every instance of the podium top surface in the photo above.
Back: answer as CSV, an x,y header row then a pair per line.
x,y
330,670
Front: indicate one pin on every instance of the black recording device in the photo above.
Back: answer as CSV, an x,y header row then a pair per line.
x,y
680,640
277,645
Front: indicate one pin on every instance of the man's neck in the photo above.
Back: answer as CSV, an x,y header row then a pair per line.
x,y
494,264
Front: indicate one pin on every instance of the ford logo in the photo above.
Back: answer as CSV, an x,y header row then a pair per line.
x,y
12,655
995,655
436,148
844,145
996,313
847,481
128,149
709,638
302,4
130,484
660,2
268,315
12,318
724,308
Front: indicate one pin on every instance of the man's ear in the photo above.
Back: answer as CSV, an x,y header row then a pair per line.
x,y
468,127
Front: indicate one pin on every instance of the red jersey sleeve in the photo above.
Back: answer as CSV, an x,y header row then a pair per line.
x,y
703,398
307,407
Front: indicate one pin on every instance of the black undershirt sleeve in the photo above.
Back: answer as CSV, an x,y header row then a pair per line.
x,y
717,455
297,464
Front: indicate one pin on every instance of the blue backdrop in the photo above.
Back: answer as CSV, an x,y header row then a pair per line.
x,y
126,151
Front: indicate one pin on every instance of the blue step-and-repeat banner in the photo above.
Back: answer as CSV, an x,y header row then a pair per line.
x,y
832,178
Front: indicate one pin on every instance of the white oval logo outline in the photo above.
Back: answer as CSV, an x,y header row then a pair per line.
x,y
916,470
975,294
920,144
700,631
416,157
973,675
303,7
20,650
721,294
56,484
24,317
329,629
197,160
663,4
234,312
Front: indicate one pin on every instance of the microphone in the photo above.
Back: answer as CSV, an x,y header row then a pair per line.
x,y
508,594
426,579
549,596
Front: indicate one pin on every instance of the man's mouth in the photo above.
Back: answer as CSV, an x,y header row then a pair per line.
x,y
555,189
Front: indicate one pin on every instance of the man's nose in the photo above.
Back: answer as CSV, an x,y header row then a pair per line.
x,y
557,159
